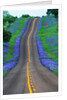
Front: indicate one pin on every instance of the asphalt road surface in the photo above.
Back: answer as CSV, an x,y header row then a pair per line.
x,y
29,75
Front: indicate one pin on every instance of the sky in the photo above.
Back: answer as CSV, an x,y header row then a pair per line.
x,y
19,13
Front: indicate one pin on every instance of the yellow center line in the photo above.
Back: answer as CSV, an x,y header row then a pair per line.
x,y
28,74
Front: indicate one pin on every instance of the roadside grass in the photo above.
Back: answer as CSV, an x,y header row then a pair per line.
x,y
5,73
46,43
56,72
14,36
49,38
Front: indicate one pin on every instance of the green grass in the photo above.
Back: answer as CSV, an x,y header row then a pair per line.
x,y
6,25
14,36
56,72
5,73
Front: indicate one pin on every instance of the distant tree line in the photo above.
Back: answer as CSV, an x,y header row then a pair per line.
x,y
25,16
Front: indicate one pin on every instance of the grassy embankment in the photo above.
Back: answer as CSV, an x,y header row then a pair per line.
x,y
49,38
14,36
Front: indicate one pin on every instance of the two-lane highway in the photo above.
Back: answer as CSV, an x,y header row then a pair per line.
x,y
29,75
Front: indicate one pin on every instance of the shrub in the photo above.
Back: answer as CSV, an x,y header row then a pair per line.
x,y
6,35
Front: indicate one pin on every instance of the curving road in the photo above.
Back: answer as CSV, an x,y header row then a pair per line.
x,y
29,75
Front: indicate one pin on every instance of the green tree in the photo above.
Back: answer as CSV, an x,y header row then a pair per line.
x,y
53,11
9,18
